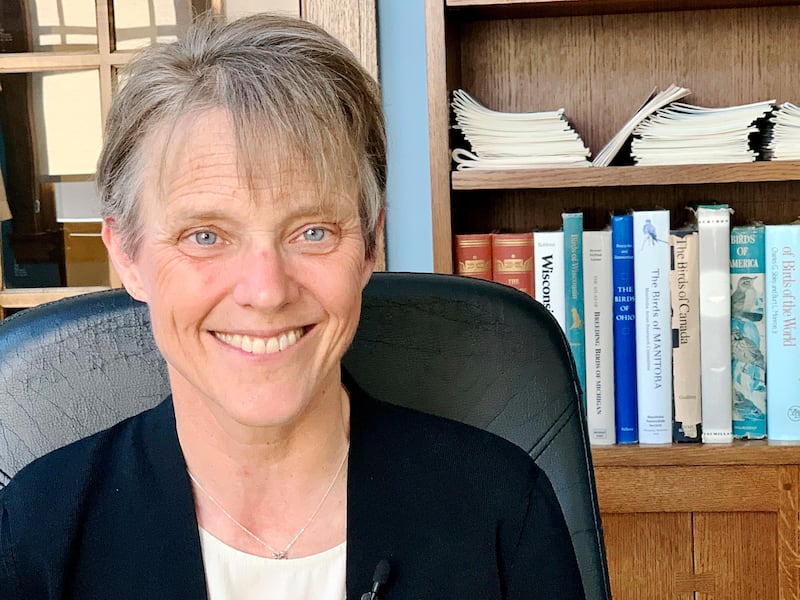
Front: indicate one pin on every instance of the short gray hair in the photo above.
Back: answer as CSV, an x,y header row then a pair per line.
x,y
288,87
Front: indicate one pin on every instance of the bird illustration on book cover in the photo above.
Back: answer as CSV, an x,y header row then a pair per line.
x,y
651,235
748,369
746,301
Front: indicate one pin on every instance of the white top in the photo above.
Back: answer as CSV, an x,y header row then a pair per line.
x,y
235,575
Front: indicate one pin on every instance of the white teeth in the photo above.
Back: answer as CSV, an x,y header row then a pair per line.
x,y
259,345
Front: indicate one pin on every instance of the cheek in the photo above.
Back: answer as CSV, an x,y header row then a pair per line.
x,y
179,280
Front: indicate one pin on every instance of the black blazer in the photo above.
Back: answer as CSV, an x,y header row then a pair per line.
x,y
459,513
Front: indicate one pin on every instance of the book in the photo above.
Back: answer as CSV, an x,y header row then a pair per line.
x,y
474,255
653,351
655,101
599,336
782,245
627,427
548,271
748,332
512,260
713,227
572,225
684,287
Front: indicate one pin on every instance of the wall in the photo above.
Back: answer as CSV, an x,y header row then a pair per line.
x,y
402,68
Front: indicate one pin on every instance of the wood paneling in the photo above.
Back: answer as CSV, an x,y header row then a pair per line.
x,y
739,550
351,21
649,556
687,489
354,22
741,521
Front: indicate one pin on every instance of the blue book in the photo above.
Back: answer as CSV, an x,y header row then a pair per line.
x,y
748,333
624,330
572,224
782,248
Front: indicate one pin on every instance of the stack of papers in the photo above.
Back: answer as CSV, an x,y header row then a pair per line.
x,y
681,134
655,101
782,138
501,140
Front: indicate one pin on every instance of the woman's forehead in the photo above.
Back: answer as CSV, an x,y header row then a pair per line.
x,y
203,153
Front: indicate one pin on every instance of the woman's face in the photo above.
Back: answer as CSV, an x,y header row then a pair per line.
x,y
254,294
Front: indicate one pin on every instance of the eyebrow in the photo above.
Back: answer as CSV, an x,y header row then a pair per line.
x,y
322,210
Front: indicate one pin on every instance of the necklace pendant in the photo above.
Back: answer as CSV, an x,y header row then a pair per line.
x,y
279,555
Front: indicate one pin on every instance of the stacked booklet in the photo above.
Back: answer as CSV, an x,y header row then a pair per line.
x,y
655,101
502,140
782,137
679,134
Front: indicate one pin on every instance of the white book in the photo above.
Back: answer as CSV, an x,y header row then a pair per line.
x,y
548,272
599,336
651,263
714,233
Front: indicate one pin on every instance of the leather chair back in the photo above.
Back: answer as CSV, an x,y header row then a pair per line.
x,y
466,349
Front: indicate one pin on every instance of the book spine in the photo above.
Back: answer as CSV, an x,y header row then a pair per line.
x,y
684,287
653,352
599,338
572,225
548,271
783,353
512,257
748,333
627,427
713,226
474,255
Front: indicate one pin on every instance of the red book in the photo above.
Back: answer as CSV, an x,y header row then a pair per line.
x,y
474,255
512,255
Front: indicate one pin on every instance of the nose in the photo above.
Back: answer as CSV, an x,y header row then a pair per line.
x,y
265,280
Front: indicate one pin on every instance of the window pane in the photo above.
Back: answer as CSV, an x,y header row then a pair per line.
x,y
48,26
50,136
239,8
139,23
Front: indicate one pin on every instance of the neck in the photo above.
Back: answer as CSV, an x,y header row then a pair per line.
x,y
270,480
236,456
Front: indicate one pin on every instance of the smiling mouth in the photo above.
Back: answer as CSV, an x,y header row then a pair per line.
x,y
261,345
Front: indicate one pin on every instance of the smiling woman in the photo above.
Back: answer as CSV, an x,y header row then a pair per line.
x,y
242,180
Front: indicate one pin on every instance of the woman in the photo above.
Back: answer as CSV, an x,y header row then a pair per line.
x,y
243,179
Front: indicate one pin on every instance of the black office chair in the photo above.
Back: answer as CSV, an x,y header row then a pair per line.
x,y
466,349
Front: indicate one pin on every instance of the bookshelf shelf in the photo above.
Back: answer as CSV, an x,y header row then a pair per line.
x,y
626,176
507,9
755,452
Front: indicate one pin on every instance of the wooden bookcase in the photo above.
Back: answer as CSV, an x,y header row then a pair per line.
x,y
706,522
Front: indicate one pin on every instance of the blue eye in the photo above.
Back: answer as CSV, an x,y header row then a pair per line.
x,y
205,238
314,234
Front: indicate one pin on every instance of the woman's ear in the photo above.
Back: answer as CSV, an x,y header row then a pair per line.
x,y
126,267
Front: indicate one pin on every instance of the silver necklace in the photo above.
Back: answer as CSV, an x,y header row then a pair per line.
x,y
276,554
